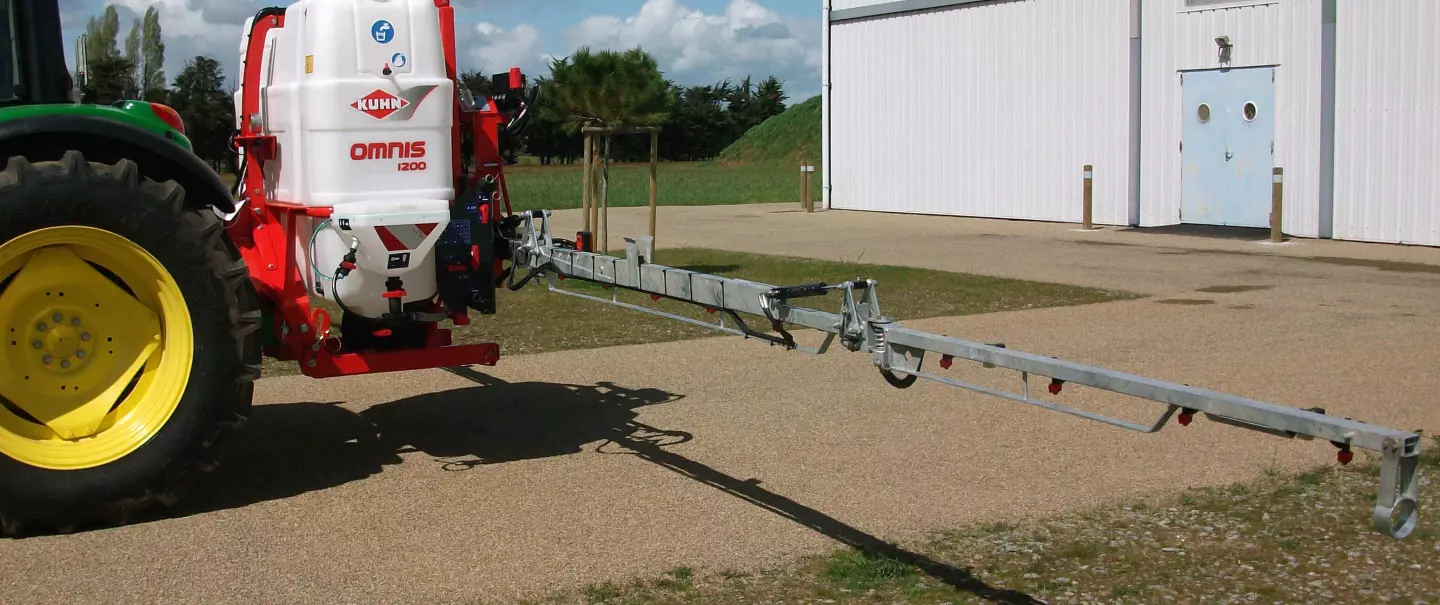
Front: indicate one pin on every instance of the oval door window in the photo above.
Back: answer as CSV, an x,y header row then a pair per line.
x,y
1203,112
1251,111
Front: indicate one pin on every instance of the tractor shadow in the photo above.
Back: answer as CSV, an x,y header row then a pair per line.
x,y
289,450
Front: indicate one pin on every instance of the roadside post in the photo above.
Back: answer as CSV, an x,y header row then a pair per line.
x,y
806,201
1088,212
1277,207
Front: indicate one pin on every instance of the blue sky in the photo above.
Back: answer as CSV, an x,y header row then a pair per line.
x,y
695,41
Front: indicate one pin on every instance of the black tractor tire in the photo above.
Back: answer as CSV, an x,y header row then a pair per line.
x,y
189,241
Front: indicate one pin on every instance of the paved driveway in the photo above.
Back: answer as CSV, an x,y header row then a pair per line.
x,y
561,469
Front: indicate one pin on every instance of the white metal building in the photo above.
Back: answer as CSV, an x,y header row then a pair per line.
x,y
991,108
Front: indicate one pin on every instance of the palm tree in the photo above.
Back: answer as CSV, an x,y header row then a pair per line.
x,y
608,89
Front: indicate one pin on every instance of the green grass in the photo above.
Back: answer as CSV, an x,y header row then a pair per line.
x,y
997,528
761,167
558,187
859,570
679,184
1082,550
602,592
786,140
1431,455
678,580
535,320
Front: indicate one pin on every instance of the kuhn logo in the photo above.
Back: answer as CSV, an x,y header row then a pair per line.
x,y
380,104
387,151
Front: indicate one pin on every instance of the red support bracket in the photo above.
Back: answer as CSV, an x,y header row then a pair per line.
x,y
264,147
310,211
353,364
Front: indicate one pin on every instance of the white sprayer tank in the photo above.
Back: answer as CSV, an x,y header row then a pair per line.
x,y
357,96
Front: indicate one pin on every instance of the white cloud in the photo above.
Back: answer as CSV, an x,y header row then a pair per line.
x,y
74,11
194,28
693,46
493,49
233,12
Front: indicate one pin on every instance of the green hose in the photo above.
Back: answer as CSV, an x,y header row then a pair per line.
x,y
310,251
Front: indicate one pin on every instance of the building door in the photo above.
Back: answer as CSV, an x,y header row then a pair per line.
x,y
1227,146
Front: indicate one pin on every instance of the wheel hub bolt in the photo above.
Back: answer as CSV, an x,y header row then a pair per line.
x,y
65,364
75,321
59,318
39,345
85,337
41,328
80,355
46,360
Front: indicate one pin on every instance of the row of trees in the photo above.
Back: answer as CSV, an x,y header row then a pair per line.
x,y
616,90
139,73
199,93
626,88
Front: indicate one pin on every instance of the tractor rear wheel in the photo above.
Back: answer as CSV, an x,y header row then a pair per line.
x,y
127,343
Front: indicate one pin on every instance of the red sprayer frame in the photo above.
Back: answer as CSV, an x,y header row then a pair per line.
x,y
263,230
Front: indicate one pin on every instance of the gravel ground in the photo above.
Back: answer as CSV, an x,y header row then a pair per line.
x,y
1255,542
566,469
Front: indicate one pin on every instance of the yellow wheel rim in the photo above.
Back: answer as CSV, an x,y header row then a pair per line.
x,y
96,349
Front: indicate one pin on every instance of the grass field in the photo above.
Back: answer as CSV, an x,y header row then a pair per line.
x,y
680,184
535,320
783,140
1281,539
557,187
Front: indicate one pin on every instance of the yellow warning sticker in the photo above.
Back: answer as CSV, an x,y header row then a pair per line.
x,y
309,64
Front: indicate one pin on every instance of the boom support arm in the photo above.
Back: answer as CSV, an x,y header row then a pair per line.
x,y
899,353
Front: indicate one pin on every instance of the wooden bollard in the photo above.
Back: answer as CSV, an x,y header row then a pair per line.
x,y
654,170
802,186
1088,212
806,198
1277,207
585,198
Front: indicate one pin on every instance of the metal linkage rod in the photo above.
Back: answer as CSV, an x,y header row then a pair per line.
x,y
899,353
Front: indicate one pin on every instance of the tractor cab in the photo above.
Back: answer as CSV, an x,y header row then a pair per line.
x,y
33,71
9,66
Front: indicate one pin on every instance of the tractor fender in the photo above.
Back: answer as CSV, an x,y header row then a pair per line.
x,y
47,138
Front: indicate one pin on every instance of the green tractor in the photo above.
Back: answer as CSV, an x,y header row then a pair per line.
x,y
130,325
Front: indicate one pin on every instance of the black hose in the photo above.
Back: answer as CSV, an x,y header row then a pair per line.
x,y
335,288
529,276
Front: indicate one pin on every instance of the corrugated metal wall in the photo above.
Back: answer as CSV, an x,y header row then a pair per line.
x,y
1387,124
983,110
1285,33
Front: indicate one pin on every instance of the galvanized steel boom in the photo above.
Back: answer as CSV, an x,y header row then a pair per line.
x,y
899,353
